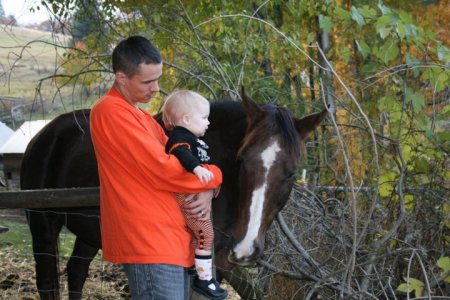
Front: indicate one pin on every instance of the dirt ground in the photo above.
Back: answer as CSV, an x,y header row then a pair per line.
x,y
17,277
17,280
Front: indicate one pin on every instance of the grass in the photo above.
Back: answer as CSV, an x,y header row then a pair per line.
x,y
18,239
28,47
28,59
26,56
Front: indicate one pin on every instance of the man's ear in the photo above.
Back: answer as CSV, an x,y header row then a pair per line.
x,y
121,77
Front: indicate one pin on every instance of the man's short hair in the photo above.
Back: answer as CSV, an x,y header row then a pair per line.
x,y
133,51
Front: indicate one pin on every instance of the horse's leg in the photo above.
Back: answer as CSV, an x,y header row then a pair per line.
x,y
78,267
45,228
85,225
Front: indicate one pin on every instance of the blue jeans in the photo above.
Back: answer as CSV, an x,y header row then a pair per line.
x,y
157,282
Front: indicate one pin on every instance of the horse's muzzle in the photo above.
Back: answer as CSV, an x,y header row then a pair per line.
x,y
244,261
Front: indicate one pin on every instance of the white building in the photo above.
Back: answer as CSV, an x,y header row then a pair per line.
x,y
5,133
12,150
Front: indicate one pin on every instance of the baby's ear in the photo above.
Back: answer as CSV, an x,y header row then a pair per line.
x,y
186,119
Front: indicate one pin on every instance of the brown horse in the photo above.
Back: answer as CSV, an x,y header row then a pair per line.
x,y
258,149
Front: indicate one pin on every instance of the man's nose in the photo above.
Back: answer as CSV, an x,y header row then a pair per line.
x,y
154,86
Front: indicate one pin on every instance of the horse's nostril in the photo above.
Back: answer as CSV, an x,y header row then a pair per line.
x,y
256,252
232,258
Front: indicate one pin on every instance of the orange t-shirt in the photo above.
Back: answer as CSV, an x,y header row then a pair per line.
x,y
141,221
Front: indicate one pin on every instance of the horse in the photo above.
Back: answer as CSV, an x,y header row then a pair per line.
x,y
257,147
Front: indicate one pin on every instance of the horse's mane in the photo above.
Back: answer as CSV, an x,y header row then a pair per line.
x,y
285,119
281,121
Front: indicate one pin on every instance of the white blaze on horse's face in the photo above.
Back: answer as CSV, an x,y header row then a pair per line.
x,y
245,248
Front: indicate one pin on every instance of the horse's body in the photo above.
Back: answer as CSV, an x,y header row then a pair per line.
x,y
258,151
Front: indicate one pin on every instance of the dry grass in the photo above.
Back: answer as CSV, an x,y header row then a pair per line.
x,y
26,56
28,61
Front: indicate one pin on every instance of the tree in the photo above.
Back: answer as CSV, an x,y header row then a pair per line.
x,y
88,22
379,192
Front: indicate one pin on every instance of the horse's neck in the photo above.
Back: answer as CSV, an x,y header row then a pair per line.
x,y
226,113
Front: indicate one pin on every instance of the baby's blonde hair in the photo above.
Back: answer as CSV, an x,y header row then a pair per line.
x,y
178,104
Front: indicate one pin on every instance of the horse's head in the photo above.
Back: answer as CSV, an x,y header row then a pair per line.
x,y
269,156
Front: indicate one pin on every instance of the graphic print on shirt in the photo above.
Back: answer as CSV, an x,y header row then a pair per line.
x,y
202,154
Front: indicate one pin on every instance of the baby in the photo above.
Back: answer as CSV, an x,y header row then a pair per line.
x,y
185,115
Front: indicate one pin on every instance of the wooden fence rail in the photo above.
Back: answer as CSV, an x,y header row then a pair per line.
x,y
81,197
47,198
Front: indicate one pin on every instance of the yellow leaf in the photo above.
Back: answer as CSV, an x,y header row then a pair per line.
x,y
404,288
411,285
444,264
409,202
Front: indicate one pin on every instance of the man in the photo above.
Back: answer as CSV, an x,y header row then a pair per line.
x,y
142,225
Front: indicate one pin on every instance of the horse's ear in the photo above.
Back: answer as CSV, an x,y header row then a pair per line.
x,y
307,124
250,106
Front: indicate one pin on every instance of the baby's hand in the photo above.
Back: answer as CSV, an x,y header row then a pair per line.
x,y
204,175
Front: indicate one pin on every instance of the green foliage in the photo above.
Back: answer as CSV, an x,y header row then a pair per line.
x,y
403,97
325,23
444,264
417,286
363,48
412,285
387,184
88,22
415,98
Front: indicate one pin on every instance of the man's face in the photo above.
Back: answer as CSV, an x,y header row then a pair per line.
x,y
140,87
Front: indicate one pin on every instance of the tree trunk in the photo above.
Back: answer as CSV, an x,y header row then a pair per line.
x,y
325,74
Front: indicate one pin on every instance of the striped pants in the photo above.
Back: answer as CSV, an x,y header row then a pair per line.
x,y
202,230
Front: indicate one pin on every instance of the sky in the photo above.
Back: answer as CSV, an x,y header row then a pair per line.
x,y
21,11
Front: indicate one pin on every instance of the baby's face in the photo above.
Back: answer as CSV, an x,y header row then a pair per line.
x,y
198,119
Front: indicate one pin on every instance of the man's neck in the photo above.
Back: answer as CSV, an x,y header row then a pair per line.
x,y
124,96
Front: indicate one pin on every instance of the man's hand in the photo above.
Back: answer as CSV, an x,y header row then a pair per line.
x,y
200,208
